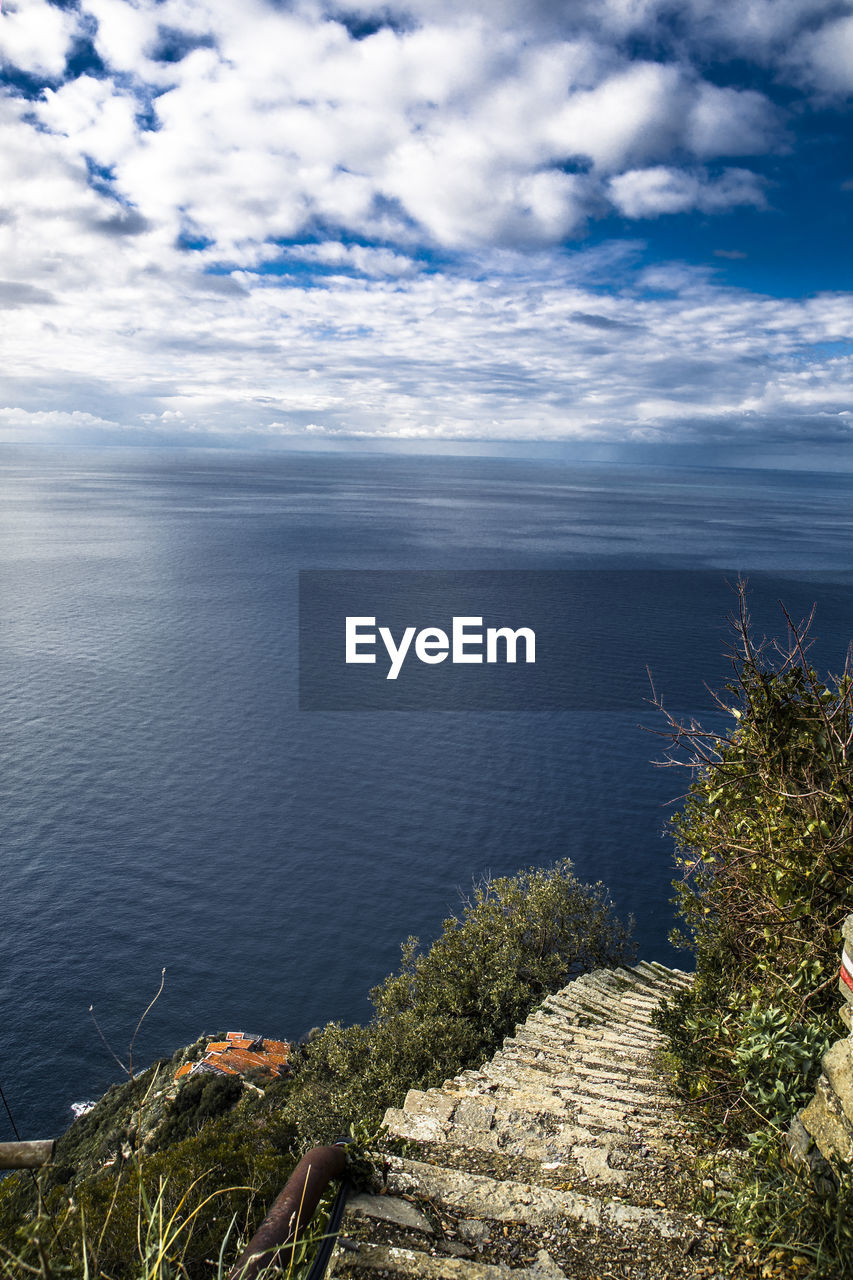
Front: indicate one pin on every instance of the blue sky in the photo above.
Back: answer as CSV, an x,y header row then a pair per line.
x,y
587,225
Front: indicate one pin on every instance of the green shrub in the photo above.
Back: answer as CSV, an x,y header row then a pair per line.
x,y
764,845
199,1099
780,1217
765,850
450,1007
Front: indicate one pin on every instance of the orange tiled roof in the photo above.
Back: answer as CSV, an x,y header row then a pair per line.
x,y
233,1056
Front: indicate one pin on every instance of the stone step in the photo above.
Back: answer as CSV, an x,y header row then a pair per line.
x,y
551,1075
581,1034
650,986
619,1014
592,1007
618,983
440,1117
573,1013
587,1010
578,1040
603,1159
476,1195
633,983
567,1133
584,1063
660,974
537,1092
575,1010
562,1108
626,1074
358,1258
560,1076
648,977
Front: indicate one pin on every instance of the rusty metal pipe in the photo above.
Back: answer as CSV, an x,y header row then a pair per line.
x,y
291,1212
26,1155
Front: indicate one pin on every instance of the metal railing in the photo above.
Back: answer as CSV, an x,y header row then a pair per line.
x,y
277,1238
26,1155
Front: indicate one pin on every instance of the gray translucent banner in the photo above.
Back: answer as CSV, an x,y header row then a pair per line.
x,y
516,640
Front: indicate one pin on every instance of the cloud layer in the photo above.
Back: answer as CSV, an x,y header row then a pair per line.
x,y
266,219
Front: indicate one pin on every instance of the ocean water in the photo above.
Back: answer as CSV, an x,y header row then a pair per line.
x,y
165,803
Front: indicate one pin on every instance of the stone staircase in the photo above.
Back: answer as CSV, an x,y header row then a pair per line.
x,y
563,1157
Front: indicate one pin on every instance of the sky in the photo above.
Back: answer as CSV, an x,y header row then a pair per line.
x,y
594,223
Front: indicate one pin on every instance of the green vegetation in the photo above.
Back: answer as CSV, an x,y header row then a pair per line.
x,y
450,1007
148,1184
765,850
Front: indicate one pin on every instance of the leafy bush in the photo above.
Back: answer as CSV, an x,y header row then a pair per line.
x,y
450,1007
774,1057
199,1099
778,1215
765,849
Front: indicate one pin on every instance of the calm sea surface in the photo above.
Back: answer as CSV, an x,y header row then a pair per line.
x,y
165,803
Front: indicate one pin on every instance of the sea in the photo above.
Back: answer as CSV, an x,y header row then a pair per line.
x,y
168,804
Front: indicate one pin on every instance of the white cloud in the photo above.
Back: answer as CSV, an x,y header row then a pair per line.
x,y
760,30
531,349
634,115
648,193
95,114
18,423
124,30
826,56
35,36
282,121
368,261
379,220
731,122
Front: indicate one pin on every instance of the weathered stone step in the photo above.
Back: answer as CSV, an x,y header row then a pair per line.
x,y
538,1101
563,1077
649,975
475,1195
574,1010
562,1108
659,973
570,1014
363,1258
618,984
439,1117
629,982
588,1011
590,1005
583,1064
579,1154
624,1066
536,1073
625,1074
614,1039
567,1133
578,1040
